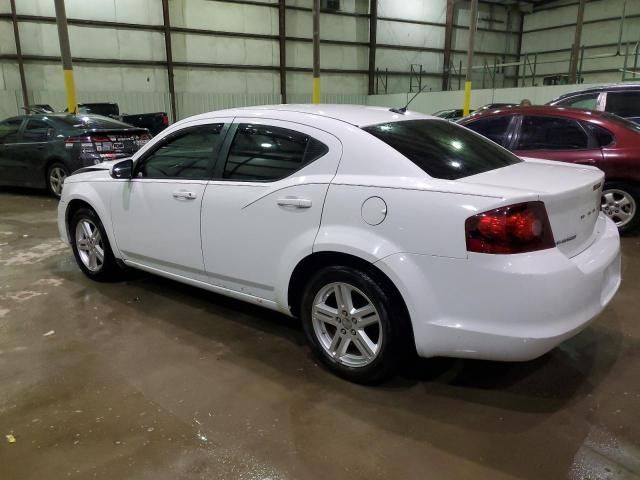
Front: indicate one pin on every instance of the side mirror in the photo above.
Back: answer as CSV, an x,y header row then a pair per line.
x,y
123,169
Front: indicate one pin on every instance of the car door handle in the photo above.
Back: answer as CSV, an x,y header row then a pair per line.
x,y
183,195
588,161
294,202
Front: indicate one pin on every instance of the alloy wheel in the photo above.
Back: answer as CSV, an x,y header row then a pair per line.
x,y
619,206
89,244
347,324
56,179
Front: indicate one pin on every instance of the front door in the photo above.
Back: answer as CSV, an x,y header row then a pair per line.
x,y
263,208
156,214
10,152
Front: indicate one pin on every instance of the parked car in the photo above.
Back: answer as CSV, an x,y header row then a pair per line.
x,y
491,106
41,150
382,232
154,122
620,99
578,136
451,115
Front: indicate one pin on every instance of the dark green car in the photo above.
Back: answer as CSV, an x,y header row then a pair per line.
x,y
40,151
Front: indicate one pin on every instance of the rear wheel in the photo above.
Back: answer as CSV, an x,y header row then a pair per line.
x,y
91,246
620,204
56,174
347,319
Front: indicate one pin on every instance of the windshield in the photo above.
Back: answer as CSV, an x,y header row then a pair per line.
x,y
443,149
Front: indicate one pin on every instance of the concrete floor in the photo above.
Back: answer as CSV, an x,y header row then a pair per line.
x,y
149,379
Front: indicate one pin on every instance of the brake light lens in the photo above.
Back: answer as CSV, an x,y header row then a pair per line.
x,y
165,120
519,228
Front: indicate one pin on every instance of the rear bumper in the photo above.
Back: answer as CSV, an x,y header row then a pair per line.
x,y
506,307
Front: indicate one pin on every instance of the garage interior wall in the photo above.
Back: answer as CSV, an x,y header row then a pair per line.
x,y
549,33
114,62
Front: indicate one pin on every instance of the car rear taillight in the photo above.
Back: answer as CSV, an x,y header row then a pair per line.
x,y
519,228
165,120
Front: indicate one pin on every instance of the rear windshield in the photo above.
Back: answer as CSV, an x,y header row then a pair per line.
x,y
621,121
91,121
443,149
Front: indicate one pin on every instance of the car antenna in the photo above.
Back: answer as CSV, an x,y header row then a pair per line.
x,y
403,110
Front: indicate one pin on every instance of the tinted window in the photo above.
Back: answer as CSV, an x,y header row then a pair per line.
x,y
625,104
443,149
494,128
588,101
189,155
548,133
36,131
265,153
603,137
9,130
92,121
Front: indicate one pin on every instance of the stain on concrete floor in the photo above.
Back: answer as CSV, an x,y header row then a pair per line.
x,y
150,379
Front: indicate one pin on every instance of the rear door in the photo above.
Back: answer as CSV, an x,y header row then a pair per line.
x,y
10,161
555,138
156,214
264,206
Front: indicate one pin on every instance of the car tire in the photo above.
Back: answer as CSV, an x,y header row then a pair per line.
x,y
363,345
56,174
91,246
620,202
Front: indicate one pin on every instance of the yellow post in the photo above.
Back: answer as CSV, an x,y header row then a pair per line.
x,y
70,87
315,98
467,98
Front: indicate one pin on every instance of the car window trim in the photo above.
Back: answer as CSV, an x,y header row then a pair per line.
x,y
218,175
213,160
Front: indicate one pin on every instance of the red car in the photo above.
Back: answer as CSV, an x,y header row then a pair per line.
x,y
578,136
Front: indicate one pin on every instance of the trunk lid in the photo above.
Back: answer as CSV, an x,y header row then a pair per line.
x,y
114,143
571,194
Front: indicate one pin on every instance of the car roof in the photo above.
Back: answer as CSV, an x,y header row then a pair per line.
x,y
601,88
577,113
357,115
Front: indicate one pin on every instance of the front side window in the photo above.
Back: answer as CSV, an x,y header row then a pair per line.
x,y
624,104
188,155
9,130
494,128
443,149
36,131
588,101
263,153
549,133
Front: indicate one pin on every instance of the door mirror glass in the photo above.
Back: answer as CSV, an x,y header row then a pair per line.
x,y
122,169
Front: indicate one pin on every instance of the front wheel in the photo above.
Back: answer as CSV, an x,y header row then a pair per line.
x,y
620,204
91,246
347,319
56,175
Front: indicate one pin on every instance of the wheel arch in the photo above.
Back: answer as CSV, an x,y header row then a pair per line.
x,y
310,264
47,164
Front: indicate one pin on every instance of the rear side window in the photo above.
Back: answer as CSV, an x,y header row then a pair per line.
x,y
603,136
443,149
494,128
188,155
36,131
624,104
263,153
549,133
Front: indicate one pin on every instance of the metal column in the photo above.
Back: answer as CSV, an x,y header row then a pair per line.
x,y
448,38
169,56
16,34
575,51
373,33
473,25
282,38
316,52
65,53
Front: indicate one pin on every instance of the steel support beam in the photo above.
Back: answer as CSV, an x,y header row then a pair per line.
x,y
282,41
473,23
16,34
316,52
65,54
448,39
166,19
577,39
373,35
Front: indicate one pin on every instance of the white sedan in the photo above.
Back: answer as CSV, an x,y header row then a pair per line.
x,y
384,232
